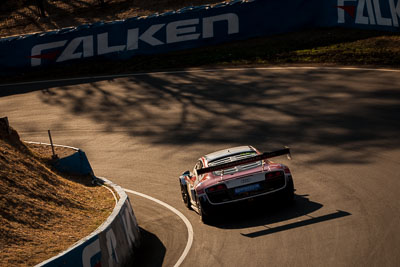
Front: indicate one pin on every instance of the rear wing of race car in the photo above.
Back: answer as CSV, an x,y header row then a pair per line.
x,y
265,155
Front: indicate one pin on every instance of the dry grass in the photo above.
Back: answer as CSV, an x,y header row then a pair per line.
x,y
325,46
41,212
22,18
45,152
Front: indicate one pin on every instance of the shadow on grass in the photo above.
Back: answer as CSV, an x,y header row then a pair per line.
x,y
61,14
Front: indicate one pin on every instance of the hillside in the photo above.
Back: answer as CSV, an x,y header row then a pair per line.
x,y
21,17
325,46
41,212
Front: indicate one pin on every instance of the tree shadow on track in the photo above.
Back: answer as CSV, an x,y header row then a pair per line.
x,y
351,110
264,214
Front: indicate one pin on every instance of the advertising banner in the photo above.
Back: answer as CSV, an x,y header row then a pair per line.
x,y
193,27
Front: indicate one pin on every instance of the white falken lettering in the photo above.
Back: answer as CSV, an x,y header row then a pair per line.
x,y
341,14
395,10
70,51
360,18
89,252
176,31
127,217
37,51
379,19
133,37
102,45
208,24
112,248
368,12
183,30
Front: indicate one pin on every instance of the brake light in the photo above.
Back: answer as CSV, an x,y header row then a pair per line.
x,y
215,188
286,170
272,175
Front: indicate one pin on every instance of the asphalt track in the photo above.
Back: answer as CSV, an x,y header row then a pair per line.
x,y
142,131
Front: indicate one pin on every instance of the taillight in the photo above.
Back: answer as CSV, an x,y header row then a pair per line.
x,y
286,170
216,188
272,175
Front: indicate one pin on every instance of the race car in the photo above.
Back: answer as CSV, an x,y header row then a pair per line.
x,y
235,175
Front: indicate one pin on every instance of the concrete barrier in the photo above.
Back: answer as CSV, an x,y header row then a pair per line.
x,y
114,242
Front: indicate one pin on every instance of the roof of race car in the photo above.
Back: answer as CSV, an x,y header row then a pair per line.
x,y
226,152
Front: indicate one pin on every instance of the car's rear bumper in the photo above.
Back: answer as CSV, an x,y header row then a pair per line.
x,y
272,198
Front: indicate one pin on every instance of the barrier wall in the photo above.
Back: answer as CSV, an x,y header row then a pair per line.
x,y
76,163
112,244
193,27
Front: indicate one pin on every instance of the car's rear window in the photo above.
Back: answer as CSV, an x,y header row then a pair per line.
x,y
235,157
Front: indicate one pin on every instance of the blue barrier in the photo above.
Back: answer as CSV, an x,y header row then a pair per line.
x,y
193,27
114,243
76,163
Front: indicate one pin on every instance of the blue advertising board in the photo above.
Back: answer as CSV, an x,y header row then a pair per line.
x,y
193,27
76,163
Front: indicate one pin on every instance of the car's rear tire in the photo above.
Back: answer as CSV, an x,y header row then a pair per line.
x,y
289,192
185,197
204,217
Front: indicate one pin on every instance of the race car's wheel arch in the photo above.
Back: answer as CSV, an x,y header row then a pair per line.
x,y
185,195
289,190
204,216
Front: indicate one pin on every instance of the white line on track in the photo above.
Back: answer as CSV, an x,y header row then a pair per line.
x,y
197,70
177,212
184,219
112,192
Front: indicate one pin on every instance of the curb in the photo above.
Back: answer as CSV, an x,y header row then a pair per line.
x,y
113,243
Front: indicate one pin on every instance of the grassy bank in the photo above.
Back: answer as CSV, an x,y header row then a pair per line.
x,y
43,212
